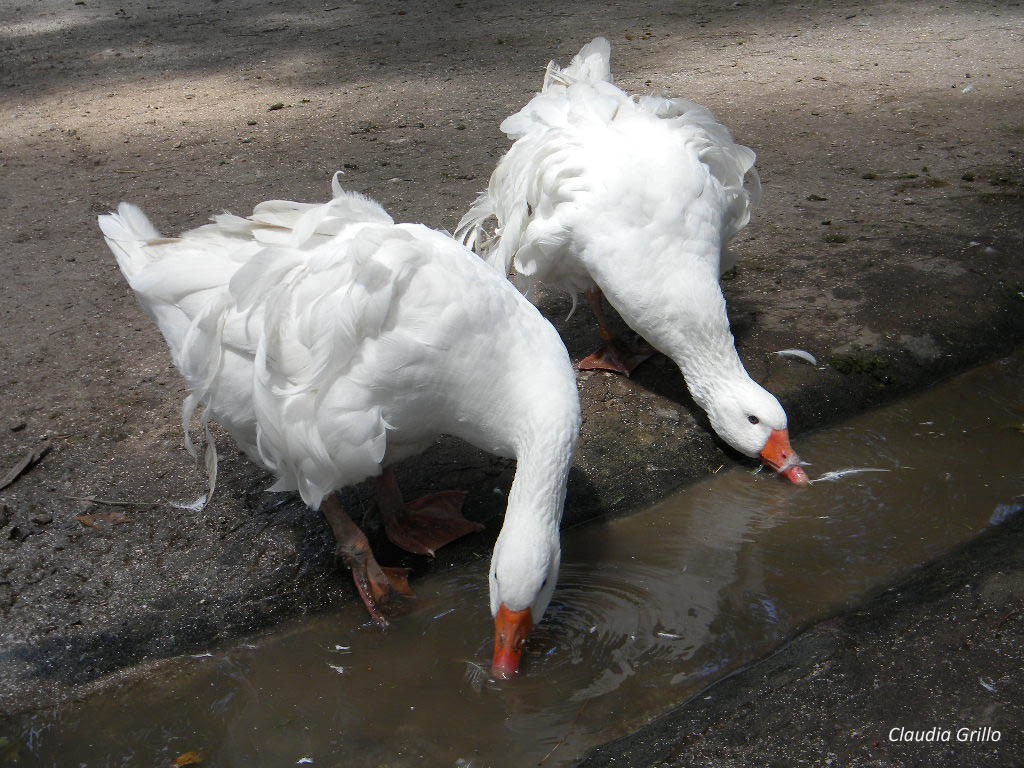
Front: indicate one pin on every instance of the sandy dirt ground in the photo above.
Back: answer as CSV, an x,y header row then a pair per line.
x,y
888,244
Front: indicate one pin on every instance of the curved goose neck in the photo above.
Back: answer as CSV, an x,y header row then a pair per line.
x,y
701,343
674,300
544,457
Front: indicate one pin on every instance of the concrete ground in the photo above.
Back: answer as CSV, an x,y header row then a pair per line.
x,y
888,244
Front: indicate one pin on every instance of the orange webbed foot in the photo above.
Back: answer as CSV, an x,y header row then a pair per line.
x,y
617,357
428,523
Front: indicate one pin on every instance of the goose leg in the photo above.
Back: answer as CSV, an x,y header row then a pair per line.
x,y
426,524
614,355
376,585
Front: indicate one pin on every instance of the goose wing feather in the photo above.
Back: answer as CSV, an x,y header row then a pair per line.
x,y
272,320
557,166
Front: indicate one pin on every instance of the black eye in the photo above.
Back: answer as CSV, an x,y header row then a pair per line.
x,y
753,419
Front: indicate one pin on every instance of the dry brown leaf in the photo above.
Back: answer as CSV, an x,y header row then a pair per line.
x,y
189,758
99,518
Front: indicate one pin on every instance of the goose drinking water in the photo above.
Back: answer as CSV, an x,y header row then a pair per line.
x,y
331,343
633,200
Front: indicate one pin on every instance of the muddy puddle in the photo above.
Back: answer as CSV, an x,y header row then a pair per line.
x,y
649,610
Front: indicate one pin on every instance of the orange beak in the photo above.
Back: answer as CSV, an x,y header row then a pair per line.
x,y
780,456
510,631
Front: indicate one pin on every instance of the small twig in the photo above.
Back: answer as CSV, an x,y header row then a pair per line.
x,y
26,463
1003,620
111,503
259,32
568,731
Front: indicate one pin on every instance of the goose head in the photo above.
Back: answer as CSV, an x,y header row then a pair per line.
x,y
752,421
522,580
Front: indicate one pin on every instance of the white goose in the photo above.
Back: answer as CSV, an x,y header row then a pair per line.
x,y
633,198
331,343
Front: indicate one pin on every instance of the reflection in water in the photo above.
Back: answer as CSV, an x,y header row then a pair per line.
x,y
649,609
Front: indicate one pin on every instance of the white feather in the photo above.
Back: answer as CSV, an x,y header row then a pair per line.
x,y
839,474
799,354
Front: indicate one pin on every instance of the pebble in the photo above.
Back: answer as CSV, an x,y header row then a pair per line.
x,y
43,518
17,426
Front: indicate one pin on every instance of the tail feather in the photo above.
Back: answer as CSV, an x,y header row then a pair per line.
x,y
127,232
592,64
